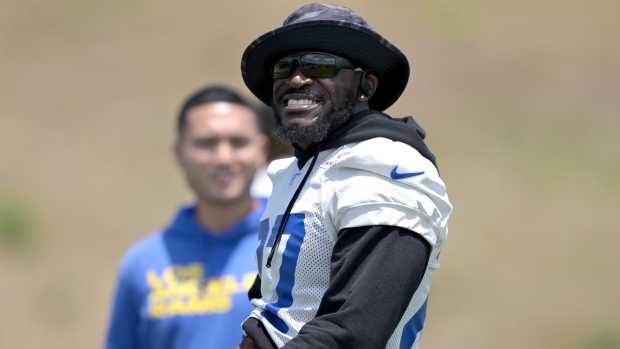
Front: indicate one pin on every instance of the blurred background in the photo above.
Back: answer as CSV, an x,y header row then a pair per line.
x,y
520,100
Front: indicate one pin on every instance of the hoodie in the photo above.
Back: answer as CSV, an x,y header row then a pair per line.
x,y
349,259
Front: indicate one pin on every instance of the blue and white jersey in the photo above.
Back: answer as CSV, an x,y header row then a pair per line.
x,y
373,182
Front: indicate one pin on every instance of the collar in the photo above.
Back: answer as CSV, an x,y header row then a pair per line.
x,y
185,223
365,125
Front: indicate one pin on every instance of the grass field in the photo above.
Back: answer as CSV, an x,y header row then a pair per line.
x,y
520,101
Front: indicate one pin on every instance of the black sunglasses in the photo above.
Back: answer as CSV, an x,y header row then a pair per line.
x,y
312,65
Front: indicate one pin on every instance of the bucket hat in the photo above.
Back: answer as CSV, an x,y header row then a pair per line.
x,y
332,29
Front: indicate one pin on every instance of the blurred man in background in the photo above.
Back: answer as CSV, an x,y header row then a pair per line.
x,y
185,286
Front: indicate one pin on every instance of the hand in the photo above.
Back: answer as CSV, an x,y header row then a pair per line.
x,y
247,343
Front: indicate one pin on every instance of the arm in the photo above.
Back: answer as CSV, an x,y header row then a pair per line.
x,y
254,291
122,325
375,271
253,328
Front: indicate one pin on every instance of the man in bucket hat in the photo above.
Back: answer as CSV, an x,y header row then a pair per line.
x,y
358,217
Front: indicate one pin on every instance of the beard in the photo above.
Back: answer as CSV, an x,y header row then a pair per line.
x,y
318,131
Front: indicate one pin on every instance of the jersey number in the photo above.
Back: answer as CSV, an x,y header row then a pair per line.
x,y
295,231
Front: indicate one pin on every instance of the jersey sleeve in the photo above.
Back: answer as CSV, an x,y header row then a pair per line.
x,y
122,326
381,182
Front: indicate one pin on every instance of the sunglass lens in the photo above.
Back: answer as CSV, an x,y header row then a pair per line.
x,y
319,70
282,69
318,65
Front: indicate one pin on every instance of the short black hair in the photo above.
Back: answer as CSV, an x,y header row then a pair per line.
x,y
213,94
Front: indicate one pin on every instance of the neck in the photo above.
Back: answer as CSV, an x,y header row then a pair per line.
x,y
336,123
359,107
216,217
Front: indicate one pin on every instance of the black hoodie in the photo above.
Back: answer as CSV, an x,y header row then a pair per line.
x,y
371,124
368,290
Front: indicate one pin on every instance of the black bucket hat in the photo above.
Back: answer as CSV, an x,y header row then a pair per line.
x,y
332,29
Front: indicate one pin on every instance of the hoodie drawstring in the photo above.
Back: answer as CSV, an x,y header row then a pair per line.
x,y
287,212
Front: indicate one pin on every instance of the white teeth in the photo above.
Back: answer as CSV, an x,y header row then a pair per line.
x,y
300,102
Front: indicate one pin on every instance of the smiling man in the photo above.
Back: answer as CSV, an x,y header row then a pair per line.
x,y
357,219
185,286
307,111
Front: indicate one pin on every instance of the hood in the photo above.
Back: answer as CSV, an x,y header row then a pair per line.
x,y
371,124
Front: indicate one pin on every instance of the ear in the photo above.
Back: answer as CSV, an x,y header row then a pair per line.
x,y
372,82
177,152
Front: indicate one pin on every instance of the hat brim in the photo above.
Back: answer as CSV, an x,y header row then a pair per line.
x,y
358,44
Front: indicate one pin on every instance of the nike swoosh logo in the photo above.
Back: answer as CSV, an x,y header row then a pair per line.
x,y
395,175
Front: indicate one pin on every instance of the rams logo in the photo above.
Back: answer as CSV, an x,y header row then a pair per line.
x,y
182,290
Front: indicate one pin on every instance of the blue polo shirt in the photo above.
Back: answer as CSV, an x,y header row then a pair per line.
x,y
184,287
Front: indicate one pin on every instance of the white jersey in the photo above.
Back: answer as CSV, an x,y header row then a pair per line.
x,y
373,182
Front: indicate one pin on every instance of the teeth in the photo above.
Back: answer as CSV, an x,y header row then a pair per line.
x,y
300,102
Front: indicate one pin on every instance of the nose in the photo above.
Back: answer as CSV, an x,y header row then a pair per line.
x,y
298,79
224,152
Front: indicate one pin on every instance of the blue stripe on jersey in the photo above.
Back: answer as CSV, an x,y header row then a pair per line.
x,y
274,231
296,230
413,327
274,319
263,231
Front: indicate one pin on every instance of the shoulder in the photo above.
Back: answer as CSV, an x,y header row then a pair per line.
x,y
383,182
383,162
280,169
142,251
261,185
381,155
280,165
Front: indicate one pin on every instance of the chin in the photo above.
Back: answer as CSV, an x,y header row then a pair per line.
x,y
301,122
220,197
232,197
224,200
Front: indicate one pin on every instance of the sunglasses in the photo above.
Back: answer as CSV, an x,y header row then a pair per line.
x,y
312,65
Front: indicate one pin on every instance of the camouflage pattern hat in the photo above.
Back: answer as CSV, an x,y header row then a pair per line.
x,y
332,29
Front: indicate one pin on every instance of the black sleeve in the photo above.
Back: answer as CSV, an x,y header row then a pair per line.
x,y
375,271
254,291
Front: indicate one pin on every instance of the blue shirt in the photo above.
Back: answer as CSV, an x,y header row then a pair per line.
x,y
184,287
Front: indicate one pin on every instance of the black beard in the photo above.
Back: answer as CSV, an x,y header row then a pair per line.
x,y
316,132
